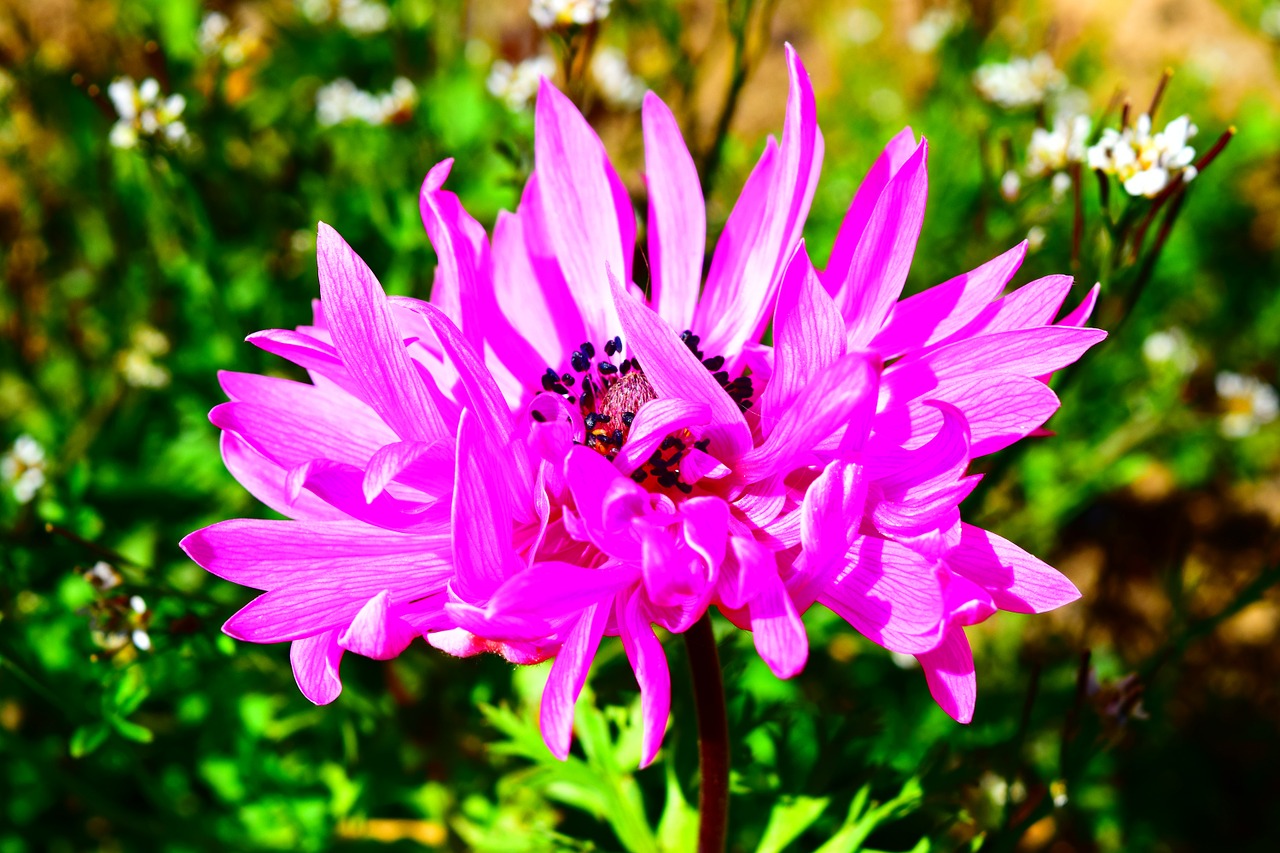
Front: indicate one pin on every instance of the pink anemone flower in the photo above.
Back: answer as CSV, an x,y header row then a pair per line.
x,y
539,457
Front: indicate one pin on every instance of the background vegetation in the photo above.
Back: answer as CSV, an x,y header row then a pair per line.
x,y
1145,717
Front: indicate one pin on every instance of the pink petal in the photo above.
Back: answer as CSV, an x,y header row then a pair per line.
x,y
465,266
1033,304
481,518
342,486
306,352
890,161
369,343
1017,581
1079,315
548,591
949,672
747,568
756,246
777,629
867,291
568,674
1029,352
808,337
830,518
844,394
677,216
539,307
674,371
933,315
655,421
265,480
652,674
580,208
293,422
423,466
377,632
315,666
890,594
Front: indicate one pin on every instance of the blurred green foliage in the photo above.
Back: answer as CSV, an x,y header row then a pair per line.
x,y
132,276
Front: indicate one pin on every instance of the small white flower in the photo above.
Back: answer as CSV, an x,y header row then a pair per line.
x,y
1054,150
142,112
1248,403
553,13
362,17
1143,162
341,101
23,468
137,364
1010,186
1035,238
618,86
141,640
517,85
1060,186
861,26
213,28
1172,348
927,33
103,576
1020,82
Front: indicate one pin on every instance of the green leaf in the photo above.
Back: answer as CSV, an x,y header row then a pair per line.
x,y
86,739
790,818
130,692
132,731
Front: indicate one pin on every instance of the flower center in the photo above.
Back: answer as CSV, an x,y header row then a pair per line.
x,y
611,395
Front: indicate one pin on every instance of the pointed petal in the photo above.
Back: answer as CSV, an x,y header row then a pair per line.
x,y
568,674
265,480
1034,304
844,394
1017,581
895,154
674,371
890,594
369,343
935,314
1082,312
808,337
315,666
777,629
867,291
652,674
481,518
738,300
677,216
949,672
579,211
377,632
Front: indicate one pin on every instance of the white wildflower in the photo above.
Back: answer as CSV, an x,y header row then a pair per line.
x,y
137,364
22,467
342,101
1020,82
218,39
1170,348
517,85
1143,162
1010,186
142,112
861,26
618,86
360,17
927,33
553,13
141,640
1060,186
103,576
213,28
1248,403
1054,150
1035,238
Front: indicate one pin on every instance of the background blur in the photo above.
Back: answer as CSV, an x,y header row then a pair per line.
x,y
143,235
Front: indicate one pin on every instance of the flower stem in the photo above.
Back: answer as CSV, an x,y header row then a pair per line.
x,y
713,736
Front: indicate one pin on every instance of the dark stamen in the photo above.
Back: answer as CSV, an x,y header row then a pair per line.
x,y
538,416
